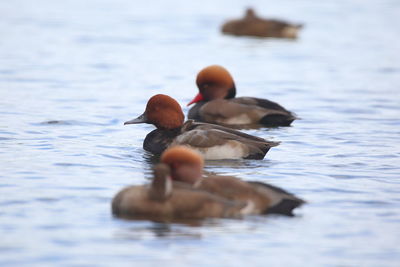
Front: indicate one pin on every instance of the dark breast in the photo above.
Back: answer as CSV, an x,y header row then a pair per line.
x,y
194,112
159,139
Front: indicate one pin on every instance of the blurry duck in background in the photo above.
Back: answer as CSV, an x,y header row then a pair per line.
x,y
212,141
166,201
252,25
187,166
216,103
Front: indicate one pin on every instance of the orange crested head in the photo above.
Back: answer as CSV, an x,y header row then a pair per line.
x,y
186,164
178,155
214,82
164,112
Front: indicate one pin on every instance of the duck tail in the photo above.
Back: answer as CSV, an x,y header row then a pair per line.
x,y
273,143
291,31
285,207
275,120
282,202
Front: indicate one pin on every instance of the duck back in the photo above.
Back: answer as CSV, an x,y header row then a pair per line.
x,y
242,112
265,198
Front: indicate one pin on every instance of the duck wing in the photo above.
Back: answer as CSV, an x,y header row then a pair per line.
x,y
218,142
228,112
194,203
275,114
260,102
265,197
245,111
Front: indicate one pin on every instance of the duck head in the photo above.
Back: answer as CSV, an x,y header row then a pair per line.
x,y
161,186
186,165
163,111
214,82
250,13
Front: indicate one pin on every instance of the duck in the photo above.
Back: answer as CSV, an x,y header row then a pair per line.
x,y
253,25
212,141
163,201
187,167
216,103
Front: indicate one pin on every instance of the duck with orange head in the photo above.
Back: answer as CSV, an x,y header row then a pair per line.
x,y
216,103
212,141
187,166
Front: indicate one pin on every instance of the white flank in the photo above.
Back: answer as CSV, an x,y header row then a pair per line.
x,y
230,150
168,186
248,209
290,32
241,119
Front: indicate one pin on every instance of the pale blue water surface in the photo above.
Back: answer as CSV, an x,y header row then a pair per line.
x,y
72,72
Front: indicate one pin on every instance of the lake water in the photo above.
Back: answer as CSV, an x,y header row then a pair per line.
x,y
72,72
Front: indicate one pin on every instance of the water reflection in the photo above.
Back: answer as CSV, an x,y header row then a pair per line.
x,y
76,123
195,230
238,163
159,230
213,166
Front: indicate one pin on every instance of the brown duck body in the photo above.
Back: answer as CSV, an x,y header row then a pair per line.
x,y
252,25
212,141
186,166
163,200
242,112
264,197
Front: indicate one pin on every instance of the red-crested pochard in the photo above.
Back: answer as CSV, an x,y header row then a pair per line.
x,y
252,25
161,200
187,166
212,141
216,103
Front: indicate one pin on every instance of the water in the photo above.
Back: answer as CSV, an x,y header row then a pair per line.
x,y
72,72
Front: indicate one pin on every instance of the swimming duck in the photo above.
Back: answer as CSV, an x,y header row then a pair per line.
x,y
161,200
187,166
212,141
216,103
252,25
